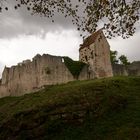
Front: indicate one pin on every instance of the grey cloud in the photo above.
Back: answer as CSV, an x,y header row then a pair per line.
x,y
19,22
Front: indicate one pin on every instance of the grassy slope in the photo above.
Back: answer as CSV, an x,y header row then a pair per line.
x,y
98,109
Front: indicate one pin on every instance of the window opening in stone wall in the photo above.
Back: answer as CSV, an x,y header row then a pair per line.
x,y
86,58
101,37
62,60
47,70
92,55
89,74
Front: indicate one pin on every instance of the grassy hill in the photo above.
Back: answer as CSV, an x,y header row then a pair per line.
x,y
105,109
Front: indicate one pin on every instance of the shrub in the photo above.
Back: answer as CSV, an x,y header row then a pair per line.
x,y
74,67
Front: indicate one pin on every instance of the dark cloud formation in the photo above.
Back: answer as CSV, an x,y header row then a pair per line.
x,y
19,22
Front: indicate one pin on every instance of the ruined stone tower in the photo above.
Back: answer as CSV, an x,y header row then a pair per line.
x,y
30,76
95,51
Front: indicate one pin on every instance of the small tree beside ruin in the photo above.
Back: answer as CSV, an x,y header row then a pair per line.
x,y
123,60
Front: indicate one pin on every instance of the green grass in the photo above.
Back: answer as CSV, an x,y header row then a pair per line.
x,y
103,109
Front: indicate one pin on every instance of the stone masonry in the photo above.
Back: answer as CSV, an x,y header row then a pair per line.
x,y
30,76
95,51
130,70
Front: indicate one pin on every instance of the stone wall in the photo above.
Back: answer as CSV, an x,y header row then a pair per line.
x,y
31,76
3,91
119,70
131,70
84,74
95,51
134,69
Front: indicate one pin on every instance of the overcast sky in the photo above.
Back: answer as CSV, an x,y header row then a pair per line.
x,y
22,36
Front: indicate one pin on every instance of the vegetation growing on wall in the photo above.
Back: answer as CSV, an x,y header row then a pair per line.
x,y
74,67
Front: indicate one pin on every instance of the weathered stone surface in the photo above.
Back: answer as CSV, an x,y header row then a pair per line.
x,y
134,69
95,51
119,70
131,70
30,76
84,74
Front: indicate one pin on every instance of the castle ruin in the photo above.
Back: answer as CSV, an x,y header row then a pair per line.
x,y
30,76
95,51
